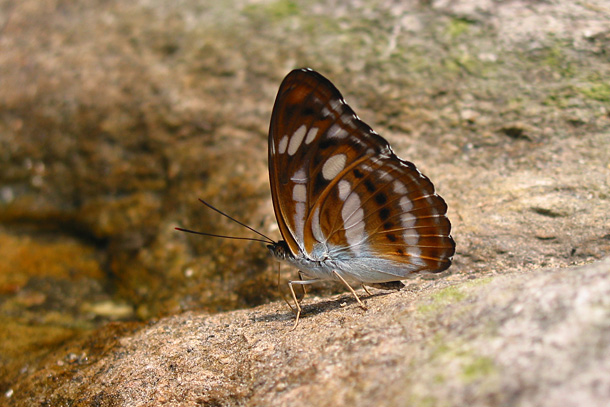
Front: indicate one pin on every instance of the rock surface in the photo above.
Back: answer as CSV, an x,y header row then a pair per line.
x,y
116,116
540,338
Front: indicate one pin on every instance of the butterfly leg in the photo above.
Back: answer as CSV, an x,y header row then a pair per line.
x,y
282,294
296,301
366,289
294,297
351,289
301,278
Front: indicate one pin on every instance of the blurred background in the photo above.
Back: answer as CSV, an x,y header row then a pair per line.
x,y
115,117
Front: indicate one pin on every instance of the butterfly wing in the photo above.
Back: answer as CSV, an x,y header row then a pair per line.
x,y
339,191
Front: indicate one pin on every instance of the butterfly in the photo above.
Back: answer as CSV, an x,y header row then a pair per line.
x,y
347,207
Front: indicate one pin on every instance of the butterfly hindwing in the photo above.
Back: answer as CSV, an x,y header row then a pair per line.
x,y
398,217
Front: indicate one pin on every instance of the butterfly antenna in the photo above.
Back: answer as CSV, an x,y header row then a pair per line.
x,y
222,236
267,239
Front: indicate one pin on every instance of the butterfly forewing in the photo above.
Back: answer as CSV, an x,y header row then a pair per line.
x,y
310,122
337,185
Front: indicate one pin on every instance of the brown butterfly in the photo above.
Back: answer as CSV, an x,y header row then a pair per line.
x,y
347,207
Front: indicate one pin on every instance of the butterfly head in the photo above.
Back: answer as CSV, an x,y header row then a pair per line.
x,y
280,250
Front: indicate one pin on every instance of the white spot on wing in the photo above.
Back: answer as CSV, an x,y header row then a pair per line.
x,y
311,135
315,226
407,220
336,131
348,120
354,236
355,219
299,177
414,251
366,168
344,189
333,166
411,238
384,175
283,145
353,216
399,187
299,193
405,204
336,104
351,205
296,139
299,221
